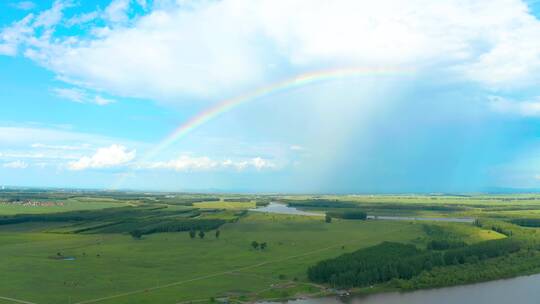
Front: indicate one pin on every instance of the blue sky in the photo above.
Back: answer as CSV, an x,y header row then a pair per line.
x,y
89,88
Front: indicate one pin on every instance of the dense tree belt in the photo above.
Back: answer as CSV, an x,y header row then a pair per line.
x,y
387,261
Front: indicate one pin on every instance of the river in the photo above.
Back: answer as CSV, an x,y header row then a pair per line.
x,y
280,208
521,290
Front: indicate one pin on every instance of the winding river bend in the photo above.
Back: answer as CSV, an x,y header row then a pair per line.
x,y
280,208
521,290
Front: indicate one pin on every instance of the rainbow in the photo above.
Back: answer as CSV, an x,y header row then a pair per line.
x,y
227,105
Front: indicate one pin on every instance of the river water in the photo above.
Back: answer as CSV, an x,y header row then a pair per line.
x,y
274,207
521,290
280,208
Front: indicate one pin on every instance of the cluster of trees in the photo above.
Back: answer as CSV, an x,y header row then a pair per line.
x,y
387,261
348,215
110,214
238,199
320,203
481,251
262,203
256,245
501,230
137,221
490,269
412,206
527,222
186,201
444,244
183,225
201,234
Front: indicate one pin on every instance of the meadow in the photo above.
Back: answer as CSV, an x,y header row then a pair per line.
x,y
90,256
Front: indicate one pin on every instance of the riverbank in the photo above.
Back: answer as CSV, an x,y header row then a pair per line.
x,y
281,208
522,290
508,269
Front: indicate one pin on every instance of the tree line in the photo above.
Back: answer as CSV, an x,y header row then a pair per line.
x,y
388,260
348,215
180,225
527,222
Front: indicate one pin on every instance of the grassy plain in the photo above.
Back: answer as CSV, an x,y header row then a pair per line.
x,y
225,205
74,204
173,268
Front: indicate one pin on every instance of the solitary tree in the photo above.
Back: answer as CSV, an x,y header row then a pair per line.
x,y
201,234
263,245
255,245
192,234
217,234
328,218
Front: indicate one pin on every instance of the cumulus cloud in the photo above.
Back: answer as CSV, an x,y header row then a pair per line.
x,y
59,148
107,157
18,164
81,96
209,48
527,108
187,163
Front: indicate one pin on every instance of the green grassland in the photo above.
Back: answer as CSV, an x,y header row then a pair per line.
x,y
125,264
225,205
63,205
89,256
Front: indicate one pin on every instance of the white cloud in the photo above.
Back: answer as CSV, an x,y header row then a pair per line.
x,y
16,165
296,148
72,94
116,11
82,18
259,163
52,16
11,37
522,108
115,155
24,5
38,155
187,163
59,147
206,49
81,96
27,135
23,32
102,100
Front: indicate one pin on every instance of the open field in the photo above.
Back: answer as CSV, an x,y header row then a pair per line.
x,y
126,264
225,205
9,209
51,206
93,256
